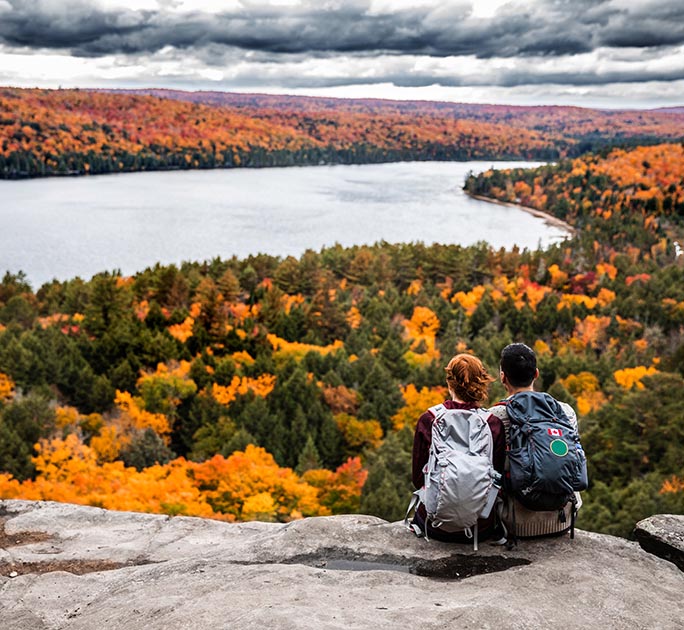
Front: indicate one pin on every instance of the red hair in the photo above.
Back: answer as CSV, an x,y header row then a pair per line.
x,y
468,378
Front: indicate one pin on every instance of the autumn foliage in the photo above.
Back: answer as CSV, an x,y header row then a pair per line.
x,y
275,388
247,485
626,198
53,132
6,387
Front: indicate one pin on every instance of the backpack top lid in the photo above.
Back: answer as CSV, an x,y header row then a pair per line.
x,y
536,406
454,427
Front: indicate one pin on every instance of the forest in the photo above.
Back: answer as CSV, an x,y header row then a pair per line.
x,y
274,388
81,132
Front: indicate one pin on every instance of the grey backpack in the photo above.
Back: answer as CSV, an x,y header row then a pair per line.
x,y
461,484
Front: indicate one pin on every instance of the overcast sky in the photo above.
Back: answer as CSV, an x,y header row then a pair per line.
x,y
604,53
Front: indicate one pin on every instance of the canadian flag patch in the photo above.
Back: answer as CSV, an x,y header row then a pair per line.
x,y
555,432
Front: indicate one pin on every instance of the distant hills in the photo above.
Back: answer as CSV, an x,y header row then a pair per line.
x,y
570,120
670,110
72,132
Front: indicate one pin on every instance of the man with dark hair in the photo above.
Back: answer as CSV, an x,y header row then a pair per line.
x,y
518,366
518,372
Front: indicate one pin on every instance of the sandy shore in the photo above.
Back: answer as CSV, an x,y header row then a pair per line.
x,y
549,219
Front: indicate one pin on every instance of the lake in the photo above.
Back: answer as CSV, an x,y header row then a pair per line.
x,y
66,227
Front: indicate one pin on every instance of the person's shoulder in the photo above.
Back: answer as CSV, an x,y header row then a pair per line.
x,y
498,410
567,409
569,412
428,416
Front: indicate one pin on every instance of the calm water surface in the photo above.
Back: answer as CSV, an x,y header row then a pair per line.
x,y
66,227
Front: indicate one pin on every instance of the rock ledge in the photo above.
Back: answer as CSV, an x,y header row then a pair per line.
x,y
143,571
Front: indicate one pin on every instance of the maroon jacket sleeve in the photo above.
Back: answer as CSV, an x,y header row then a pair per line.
x,y
499,439
421,448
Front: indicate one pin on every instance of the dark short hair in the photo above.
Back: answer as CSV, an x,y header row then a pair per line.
x,y
519,364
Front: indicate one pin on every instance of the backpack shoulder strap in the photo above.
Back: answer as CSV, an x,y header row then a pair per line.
x,y
438,410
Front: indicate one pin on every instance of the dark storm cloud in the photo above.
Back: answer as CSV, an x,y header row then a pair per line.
x,y
39,24
508,79
557,28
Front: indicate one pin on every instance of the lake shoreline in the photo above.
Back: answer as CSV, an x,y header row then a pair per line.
x,y
549,219
78,226
15,176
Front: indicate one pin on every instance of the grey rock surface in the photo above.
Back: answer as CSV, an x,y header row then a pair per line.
x,y
143,571
663,535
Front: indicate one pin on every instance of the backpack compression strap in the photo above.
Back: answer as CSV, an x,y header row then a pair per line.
x,y
416,499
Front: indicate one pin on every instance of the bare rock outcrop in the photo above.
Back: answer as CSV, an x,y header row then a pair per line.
x,y
663,535
76,567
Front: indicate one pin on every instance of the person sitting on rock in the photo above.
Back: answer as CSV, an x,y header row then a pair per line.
x,y
468,383
518,372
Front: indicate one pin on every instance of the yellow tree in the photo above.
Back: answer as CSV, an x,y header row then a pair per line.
x,y
631,377
250,485
339,491
416,404
6,387
586,389
422,329
359,434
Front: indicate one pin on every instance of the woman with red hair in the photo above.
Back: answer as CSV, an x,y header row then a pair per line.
x,y
468,383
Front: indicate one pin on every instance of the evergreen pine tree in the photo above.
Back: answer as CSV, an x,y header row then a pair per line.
x,y
329,443
297,437
146,449
308,457
392,355
381,396
238,442
388,489
15,453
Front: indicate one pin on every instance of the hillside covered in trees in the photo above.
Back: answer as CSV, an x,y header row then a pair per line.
x,y
273,388
78,132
